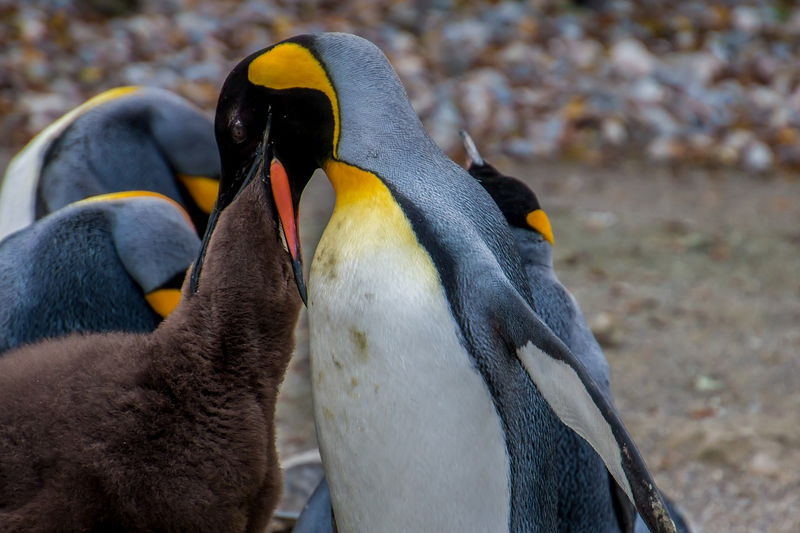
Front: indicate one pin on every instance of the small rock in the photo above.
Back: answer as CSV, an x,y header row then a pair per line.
x,y
606,330
598,220
614,131
631,59
763,464
708,384
746,19
758,157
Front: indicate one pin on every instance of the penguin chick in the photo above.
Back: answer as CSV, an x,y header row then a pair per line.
x,y
113,262
167,431
128,138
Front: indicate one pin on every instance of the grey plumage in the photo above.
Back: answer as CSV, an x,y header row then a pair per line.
x,y
586,491
140,139
87,267
317,515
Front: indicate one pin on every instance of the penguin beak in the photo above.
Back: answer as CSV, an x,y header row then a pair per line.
x,y
539,221
229,190
287,215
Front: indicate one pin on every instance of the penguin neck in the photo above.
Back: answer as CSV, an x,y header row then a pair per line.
x,y
533,248
241,319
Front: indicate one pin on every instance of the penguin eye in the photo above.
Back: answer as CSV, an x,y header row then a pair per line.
x,y
238,132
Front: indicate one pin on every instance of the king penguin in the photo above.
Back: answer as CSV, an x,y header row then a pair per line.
x,y
433,379
128,138
113,262
588,499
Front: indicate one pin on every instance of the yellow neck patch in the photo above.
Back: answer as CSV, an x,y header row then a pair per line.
x,y
163,301
366,220
123,195
202,189
539,221
292,66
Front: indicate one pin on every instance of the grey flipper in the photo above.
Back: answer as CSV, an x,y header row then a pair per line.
x,y
66,274
317,515
560,377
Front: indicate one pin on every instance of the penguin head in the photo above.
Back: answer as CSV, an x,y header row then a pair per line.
x,y
155,240
186,138
133,138
516,200
329,97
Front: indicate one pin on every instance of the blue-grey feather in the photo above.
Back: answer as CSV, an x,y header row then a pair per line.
x,y
64,274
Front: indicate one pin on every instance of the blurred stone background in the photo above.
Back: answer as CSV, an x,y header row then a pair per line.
x,y
662,137
712,82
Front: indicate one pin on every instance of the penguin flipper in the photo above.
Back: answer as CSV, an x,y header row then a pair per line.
x,y
579,402
317,515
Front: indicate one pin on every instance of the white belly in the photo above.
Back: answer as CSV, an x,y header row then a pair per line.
x,y
408,432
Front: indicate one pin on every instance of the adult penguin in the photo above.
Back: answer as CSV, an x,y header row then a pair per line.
x,y
588,497
128,138
114,262
434,381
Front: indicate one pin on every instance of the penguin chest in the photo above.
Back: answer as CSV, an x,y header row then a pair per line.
x,y
408,431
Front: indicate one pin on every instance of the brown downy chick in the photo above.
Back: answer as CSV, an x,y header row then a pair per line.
x,y
168,431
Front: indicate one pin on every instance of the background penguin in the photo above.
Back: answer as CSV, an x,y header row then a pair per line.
x,y
129,138
108,263
433,379
587,496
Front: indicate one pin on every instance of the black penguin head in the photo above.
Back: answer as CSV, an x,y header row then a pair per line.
x,y
334,102
284,89
516,200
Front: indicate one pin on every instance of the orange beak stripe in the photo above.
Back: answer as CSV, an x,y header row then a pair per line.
x,y
282,194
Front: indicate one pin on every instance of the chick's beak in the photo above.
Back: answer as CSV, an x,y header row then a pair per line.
x,y
284,202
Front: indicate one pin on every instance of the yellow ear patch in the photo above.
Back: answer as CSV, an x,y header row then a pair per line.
x,y
203,191
366,220
538,221
292,66
163,301
122,195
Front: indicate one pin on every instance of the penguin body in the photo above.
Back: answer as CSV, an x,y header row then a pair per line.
x,y
354,354
434,381
129,138
585,491
109,263
588,499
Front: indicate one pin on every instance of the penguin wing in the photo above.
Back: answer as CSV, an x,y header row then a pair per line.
x,y
579,402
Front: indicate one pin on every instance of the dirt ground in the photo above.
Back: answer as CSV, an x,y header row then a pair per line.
x,y
691,280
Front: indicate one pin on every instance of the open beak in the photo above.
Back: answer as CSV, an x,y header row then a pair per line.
x,y
284,202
